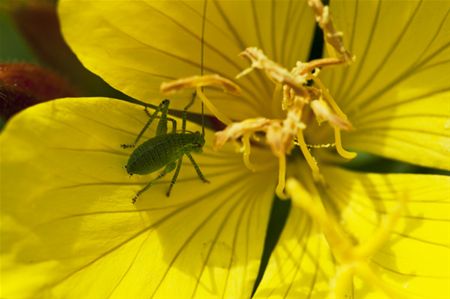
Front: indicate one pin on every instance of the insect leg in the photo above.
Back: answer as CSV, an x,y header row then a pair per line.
x,y
174,124
162,124
175,176
173,121
161,106
148,113
197,168
166,170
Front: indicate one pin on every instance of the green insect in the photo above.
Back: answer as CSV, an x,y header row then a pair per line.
x,y
165,150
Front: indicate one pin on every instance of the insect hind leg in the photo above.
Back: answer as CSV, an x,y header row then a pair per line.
x,y
166,170
173,121
175,176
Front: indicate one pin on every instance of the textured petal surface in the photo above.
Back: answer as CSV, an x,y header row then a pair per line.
x,y
416,259
397,92
136,45
69,229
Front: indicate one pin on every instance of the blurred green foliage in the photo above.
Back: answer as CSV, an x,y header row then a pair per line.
x,y
13,47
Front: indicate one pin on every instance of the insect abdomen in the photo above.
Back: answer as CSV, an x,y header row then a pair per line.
x,y
157,152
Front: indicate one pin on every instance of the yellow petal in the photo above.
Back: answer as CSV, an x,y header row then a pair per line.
x,y
415,260
396,94
72,231
301,265
417,132
137,45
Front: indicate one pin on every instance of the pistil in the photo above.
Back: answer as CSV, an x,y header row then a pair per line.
x,y
352,259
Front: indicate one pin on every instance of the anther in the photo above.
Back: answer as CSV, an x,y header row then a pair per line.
x,y
246,148
201,81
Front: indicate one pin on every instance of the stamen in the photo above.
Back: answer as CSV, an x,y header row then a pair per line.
x,y
330,100
308,157
320,110
219,115
287,97
331,35
281,177
238,129
341,151
203,81
323,113
246,147
273,70
237,146
244,73
317,63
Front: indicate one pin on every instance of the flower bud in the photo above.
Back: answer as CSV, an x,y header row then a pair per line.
x,y
23,85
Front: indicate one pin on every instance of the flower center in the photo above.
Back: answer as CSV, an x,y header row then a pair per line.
x,y
303,94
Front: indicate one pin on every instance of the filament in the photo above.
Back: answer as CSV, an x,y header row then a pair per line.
x,y
341,151
220,116
308,157
246,151
281,177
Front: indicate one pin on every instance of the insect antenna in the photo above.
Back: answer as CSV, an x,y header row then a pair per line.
x,y
194,94
202,58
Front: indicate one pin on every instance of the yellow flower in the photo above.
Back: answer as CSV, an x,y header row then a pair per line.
x,y
69,229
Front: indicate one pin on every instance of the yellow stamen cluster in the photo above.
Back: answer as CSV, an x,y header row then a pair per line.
x,y
302,90
282,134
352,259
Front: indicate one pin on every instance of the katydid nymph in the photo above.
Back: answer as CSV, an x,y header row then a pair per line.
x,y
166,150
